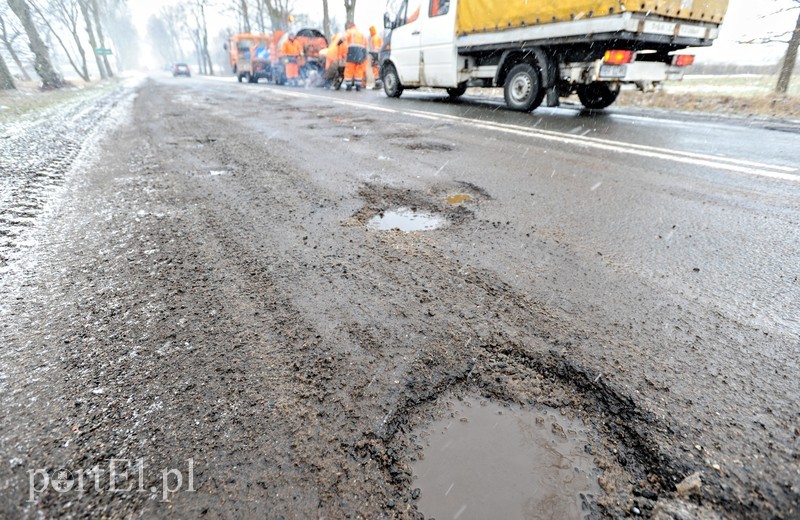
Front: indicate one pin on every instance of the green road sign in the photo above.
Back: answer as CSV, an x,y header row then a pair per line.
x,y
103,52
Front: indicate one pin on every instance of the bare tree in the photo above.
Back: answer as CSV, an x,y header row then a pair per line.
x,y
790,58
6,79
100,35
43,65
87,22
162,31
198,10
279,11
326,20
116,19
245,16
8,34
160,39
350,9
66,13
261,11
792,40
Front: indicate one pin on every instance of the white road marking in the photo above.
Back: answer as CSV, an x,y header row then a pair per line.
x,y
731,164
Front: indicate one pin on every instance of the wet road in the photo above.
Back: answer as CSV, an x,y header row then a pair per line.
x,y
208,288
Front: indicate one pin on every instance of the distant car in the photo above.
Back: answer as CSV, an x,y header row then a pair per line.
x,y
181,69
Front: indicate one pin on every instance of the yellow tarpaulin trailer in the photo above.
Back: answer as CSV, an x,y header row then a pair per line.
x,y
477,16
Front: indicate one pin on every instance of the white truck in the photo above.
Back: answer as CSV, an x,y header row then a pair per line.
x,y
537,49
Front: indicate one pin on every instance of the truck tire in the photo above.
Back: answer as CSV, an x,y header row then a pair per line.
x,y
252,79
523,88
597,95
391,82
457,92
239,77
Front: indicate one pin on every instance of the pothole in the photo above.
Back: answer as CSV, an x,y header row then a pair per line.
x,y
487,461
429,146
405,219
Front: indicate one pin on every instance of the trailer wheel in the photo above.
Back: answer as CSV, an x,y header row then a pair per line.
x,y
391,82
523,88
457,92
597,95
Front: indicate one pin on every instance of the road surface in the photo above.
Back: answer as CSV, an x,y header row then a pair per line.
x,y
195,286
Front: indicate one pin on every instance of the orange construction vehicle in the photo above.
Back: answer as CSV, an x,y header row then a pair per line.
x,y
250,56
310,63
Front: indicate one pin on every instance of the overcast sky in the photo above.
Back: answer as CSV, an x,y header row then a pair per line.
x,y
745,20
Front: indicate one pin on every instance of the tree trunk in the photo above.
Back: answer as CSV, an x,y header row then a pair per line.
x,y
20,66
43,65
789,61
87,20
350,9
278,14
6,80
262,28
8,42
245,16
204,34
326,20
100,36
83,71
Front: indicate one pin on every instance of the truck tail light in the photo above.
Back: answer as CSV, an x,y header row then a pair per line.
x,y
618,57
683,60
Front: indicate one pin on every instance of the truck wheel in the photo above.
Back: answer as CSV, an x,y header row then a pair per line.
x,y
457,92
523,88
391,82
597,95
252,79
239,77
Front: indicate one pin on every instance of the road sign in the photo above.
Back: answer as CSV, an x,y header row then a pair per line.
x,y
103,52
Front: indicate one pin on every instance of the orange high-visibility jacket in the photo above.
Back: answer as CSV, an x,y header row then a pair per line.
x,y
354,37
292,48
376,42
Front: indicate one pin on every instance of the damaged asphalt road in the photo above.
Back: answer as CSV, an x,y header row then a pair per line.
x,y
203,293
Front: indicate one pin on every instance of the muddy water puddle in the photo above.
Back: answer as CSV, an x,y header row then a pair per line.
x,y
405,219
488,461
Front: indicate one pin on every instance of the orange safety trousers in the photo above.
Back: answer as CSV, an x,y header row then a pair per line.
x,y
355,72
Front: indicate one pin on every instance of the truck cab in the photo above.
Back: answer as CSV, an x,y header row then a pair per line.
x,y
423,48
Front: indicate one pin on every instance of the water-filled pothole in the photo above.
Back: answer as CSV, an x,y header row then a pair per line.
x,y
405,219
487,461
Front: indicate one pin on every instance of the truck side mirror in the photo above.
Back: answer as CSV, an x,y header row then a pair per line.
x,y
387,22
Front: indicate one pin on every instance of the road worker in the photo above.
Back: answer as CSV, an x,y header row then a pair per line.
x,y
292,50
356,68
335,59
375,45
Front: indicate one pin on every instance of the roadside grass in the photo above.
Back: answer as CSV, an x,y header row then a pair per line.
x,y
746,95
28,99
